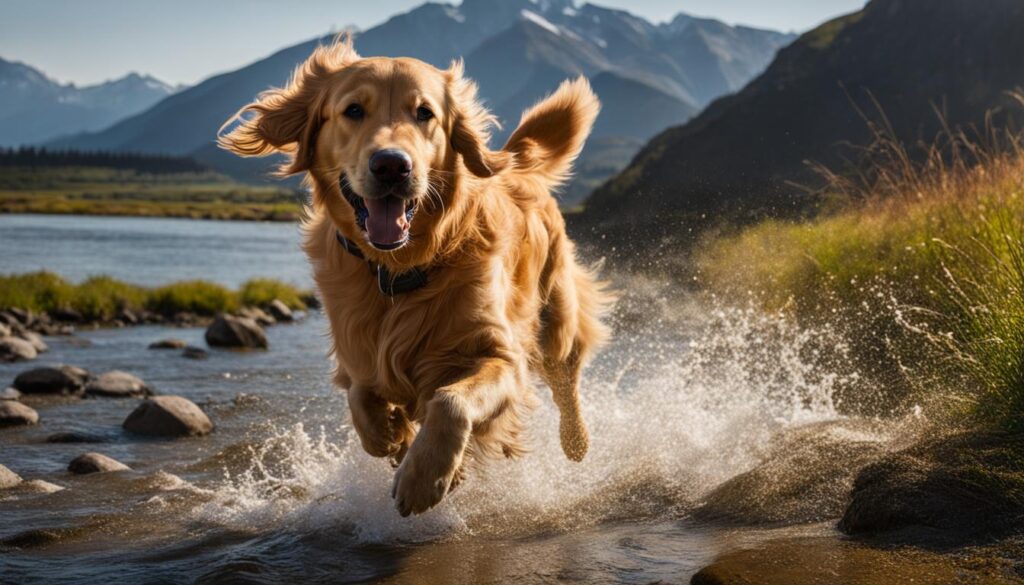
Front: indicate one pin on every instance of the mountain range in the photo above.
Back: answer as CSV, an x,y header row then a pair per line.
x,y
649,76
35,108
742,154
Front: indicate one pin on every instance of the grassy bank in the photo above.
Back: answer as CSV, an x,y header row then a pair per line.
x,y
101,191
102,297
923,268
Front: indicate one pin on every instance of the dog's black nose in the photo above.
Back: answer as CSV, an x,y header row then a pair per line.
x,y
390,165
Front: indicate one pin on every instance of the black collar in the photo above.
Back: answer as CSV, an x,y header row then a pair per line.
x,y
389,284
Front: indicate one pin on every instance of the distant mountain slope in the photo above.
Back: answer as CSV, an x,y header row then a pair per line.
x,y
518,50
739,153
35,108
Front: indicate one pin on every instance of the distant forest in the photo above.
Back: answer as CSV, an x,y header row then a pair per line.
x,y
31,157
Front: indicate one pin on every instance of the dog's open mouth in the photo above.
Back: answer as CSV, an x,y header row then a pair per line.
x,y
385,220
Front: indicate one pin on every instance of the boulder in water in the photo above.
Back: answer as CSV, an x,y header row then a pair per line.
x,y
280,311
35,339
8,478
15,349
38,486
170,343
965,486
13,413
95,463
235,332
5,330
55,380
10,394
117,384
258,315
74,437
168,416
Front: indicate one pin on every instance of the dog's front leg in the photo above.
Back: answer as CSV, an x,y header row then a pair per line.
x,y
383,429
433,461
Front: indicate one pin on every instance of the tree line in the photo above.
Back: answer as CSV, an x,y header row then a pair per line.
x,y
32,157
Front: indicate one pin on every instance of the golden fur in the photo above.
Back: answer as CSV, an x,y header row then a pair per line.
x,y
506,296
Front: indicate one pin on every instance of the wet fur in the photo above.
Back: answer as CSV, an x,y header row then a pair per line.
x,y
506,297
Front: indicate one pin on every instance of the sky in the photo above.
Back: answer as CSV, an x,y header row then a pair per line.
x,y
186,41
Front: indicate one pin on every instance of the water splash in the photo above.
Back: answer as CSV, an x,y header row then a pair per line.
x,y
677,405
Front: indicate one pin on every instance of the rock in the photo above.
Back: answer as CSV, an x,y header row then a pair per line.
x,y
95,463
117,384
5,330
21,316
805,476
13,413
235,332
67,315
8,319
171,343
258,315
195,353
311,301
55,380
966,486
172,416
280,311
15,349
35,339
8,478
832,561
10,394
185,319
73,437
127,317
38,486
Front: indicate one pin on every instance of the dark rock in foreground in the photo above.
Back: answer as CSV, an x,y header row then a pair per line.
x,y
8,478
831,561
967,486
168,416
56,380
168,344
235,332
117,384
15,349
805,476
95,463
13,413
280,311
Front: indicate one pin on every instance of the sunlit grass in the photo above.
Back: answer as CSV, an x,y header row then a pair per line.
x,y
103,297
923,268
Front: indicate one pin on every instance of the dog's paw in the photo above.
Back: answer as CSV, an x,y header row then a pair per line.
x,y
419,485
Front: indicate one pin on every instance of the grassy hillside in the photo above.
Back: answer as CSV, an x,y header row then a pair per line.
x,y
923,269
106,191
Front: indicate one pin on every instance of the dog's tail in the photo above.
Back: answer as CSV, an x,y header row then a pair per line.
x,y
551,133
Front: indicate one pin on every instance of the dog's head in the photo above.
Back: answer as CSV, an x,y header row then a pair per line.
x,y
387,136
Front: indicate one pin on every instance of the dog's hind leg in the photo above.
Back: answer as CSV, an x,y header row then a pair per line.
x,y
563,377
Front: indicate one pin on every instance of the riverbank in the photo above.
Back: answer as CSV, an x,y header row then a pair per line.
x,y
103,191
920,269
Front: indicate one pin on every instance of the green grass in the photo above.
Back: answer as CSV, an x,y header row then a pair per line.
x,y
102,297
923,270
98,191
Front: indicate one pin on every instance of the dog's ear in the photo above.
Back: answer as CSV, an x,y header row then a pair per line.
x,y
470,126
288,119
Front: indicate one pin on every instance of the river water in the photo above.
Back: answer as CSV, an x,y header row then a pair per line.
x,y
685,398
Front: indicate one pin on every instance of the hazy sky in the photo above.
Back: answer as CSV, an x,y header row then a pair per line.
x,y
185,41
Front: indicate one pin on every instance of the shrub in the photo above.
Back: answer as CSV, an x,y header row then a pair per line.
x,y
259,292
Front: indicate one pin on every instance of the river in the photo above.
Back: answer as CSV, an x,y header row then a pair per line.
x,y
685,398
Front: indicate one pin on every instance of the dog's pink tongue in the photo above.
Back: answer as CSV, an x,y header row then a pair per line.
x,y
386,223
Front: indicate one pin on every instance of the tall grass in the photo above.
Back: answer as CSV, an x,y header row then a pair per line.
x,y
103,297
922,265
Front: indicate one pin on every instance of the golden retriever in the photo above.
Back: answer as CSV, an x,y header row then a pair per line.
x,y
405,188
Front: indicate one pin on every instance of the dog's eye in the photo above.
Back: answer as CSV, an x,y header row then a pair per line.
x,y
423,113
355,112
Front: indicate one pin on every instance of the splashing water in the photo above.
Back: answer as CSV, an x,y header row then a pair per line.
x,y
675,407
